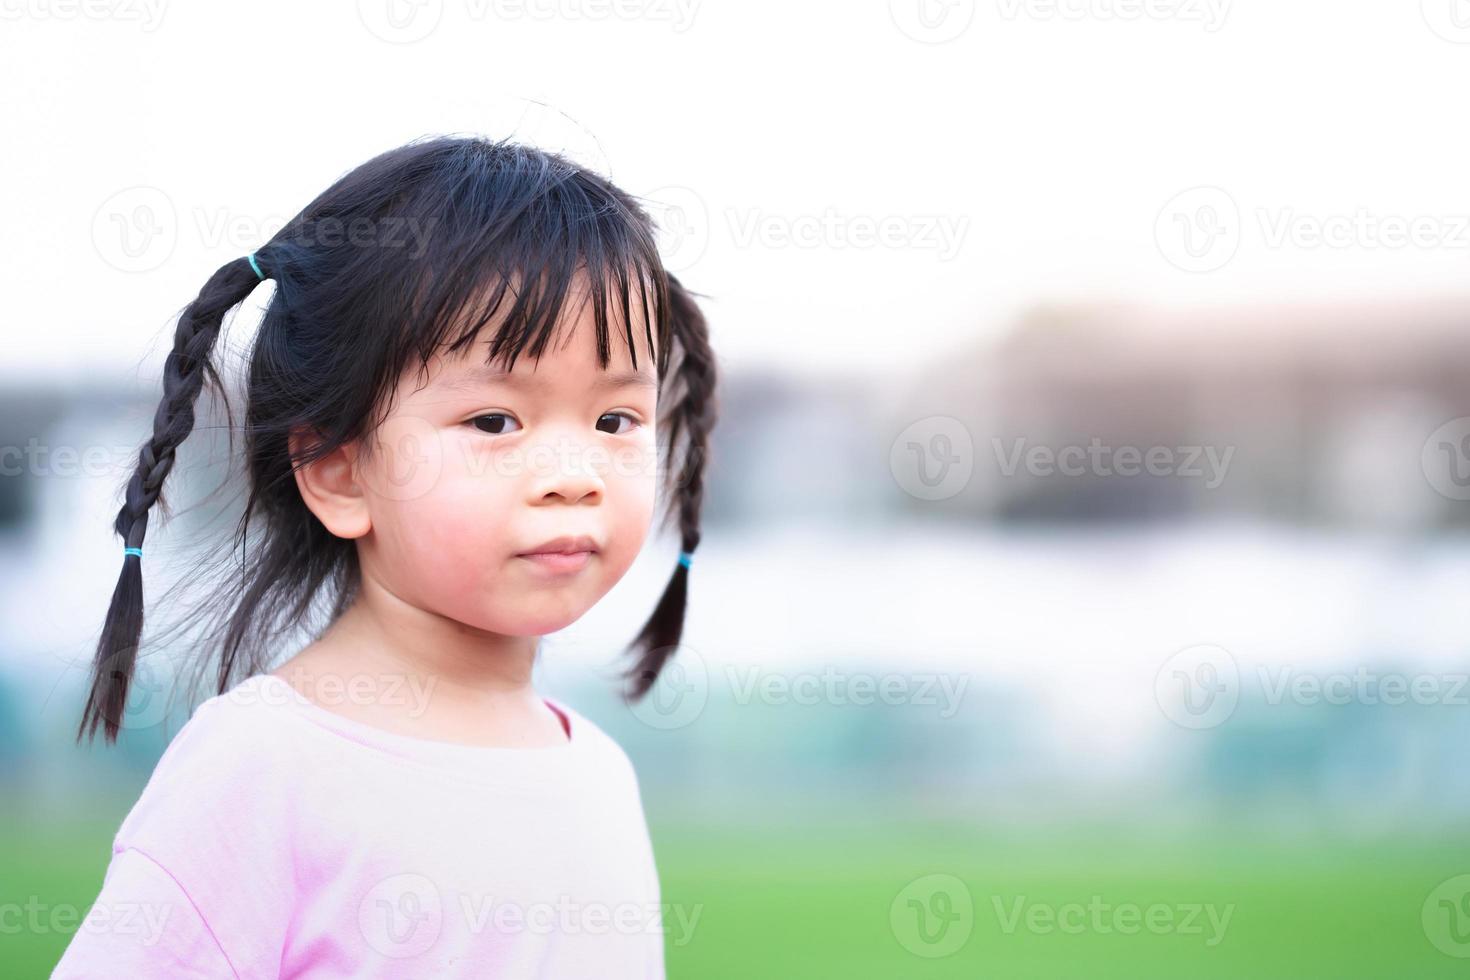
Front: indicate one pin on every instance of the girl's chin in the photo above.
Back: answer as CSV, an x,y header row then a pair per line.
x,y
533,623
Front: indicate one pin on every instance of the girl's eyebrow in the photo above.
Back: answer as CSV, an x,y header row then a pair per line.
x,y
487,375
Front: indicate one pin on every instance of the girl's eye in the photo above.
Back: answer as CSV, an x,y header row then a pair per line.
x,y
493,424
632,423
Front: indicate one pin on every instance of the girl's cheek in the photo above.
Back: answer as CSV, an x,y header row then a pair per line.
x,y
457,513
469,513
633,466
633,499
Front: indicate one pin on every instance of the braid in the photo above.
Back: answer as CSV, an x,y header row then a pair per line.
x,y
691,418
184,373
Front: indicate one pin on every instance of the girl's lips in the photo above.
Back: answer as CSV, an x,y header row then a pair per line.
x,y
558,563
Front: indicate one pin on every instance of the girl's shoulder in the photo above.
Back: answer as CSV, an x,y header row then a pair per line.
x,y
226,758
228,730
215,819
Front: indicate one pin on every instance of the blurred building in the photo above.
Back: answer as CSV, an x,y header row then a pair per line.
x,y
1319,415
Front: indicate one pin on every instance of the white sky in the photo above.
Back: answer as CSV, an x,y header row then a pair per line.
x,y
1053,141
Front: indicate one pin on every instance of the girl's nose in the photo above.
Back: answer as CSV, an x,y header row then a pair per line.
x,y
567,470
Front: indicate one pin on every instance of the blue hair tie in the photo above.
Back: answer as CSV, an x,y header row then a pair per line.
x,y
685,557
133,551
254,266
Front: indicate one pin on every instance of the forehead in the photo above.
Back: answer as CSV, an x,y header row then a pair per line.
x,y
570,356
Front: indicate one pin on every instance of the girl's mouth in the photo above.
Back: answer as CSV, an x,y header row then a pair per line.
x,y
558,563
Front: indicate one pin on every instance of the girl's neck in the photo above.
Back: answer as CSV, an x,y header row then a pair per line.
x,y
385,632
387,662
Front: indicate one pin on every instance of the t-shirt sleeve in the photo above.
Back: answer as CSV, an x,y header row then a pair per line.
x,y
143,924
210,838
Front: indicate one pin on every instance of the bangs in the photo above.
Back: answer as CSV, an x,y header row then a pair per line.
x,y
514,246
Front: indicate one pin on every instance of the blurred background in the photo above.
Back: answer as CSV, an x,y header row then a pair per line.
x,y
1083,588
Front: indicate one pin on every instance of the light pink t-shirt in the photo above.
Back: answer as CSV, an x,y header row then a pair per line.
x,y
277,838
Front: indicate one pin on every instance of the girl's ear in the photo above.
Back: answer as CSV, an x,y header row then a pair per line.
x,y
330,487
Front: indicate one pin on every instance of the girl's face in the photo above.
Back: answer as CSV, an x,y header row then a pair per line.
x,y
475,468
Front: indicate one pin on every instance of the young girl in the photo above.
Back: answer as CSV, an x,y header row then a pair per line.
x,y
395,800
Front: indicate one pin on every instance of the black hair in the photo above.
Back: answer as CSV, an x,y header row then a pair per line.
x,y
408,255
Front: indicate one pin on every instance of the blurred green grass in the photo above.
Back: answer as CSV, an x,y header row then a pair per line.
x,y
814,902
812,899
